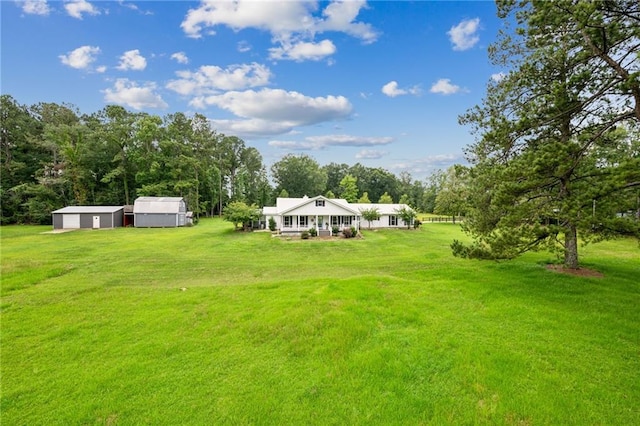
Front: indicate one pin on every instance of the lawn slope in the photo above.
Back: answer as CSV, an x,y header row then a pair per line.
x,y
204,325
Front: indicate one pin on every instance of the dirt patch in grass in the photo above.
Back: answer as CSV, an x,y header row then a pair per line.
x,y
579,272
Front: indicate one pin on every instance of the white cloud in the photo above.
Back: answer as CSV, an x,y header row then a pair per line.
x,y
429,164
369,154
392,90
134,7
251,127
322,142
80,58
282,106
271,112
180,57
101,69
210,79
303,51
129,93
464,35
76,8
293,25
498,77
36,7
340,16
243,46
444,87
275,17
132,60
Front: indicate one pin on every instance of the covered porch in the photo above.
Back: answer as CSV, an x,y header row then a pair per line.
x,y
323,224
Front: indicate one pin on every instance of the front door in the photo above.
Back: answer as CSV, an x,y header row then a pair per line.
x,y
96,222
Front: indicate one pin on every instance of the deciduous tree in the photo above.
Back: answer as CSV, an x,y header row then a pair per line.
x,y
370,215
299,175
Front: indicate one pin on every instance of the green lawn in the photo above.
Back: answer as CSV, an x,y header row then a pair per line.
x,y
389,329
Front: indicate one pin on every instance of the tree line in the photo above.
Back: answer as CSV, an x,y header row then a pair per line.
x,y
556,158
54,156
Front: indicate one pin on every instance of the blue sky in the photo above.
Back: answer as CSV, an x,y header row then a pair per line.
x,y
380,83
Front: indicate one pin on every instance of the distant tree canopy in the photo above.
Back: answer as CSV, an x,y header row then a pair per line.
x,y
300,175
558,152
51,156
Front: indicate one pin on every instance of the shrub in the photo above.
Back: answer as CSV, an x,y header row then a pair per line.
x,y
335,231
417,223
354,231
313,232
348,233
304,235
272,224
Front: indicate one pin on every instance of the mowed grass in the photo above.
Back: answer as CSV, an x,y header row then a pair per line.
x,y
203,325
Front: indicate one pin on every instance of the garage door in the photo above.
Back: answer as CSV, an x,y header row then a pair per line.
x,y
71,221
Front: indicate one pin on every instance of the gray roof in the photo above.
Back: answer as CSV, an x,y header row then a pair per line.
x,y
88,209
383,209
158,205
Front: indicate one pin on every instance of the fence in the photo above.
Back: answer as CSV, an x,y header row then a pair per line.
x,y
442,219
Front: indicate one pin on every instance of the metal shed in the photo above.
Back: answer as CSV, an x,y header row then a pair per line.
x,y
88,217
159,212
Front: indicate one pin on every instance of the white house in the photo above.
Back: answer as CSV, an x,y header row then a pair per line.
x,y
300,214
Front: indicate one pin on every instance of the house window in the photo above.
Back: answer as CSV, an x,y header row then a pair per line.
x,y
304,221
288,221
393,220
346,220
319,203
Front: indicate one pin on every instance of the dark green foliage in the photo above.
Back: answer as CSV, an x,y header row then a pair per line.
x,y
313,232
335,230
299,176
305,235
52,156
241,214
407,215
272,224
557,157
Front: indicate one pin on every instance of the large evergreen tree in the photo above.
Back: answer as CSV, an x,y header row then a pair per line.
x,y
552,131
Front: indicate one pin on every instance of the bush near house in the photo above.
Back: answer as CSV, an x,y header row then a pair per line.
x,y
350,232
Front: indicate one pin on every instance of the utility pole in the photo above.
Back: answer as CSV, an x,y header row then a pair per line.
x,y
220,167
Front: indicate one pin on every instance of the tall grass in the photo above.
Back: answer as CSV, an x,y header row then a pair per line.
x,y
204,325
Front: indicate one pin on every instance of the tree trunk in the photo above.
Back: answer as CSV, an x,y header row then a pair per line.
x,y
571,247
